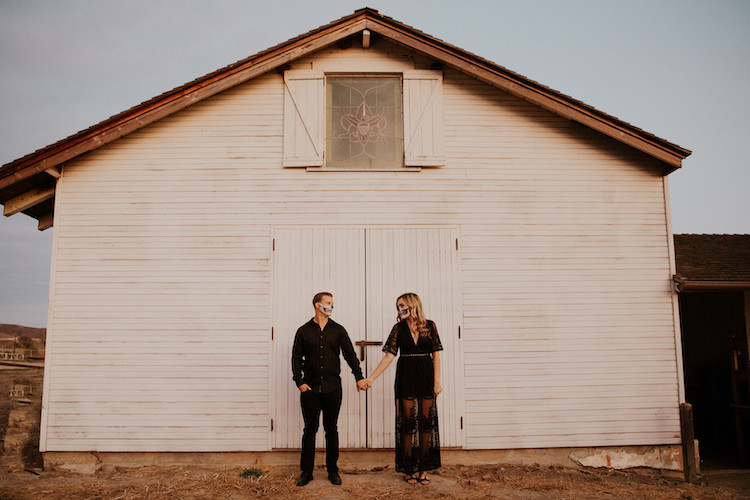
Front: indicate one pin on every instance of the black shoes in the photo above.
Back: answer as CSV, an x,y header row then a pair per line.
x,y
305,478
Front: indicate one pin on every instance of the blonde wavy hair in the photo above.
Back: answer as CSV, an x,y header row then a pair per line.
x,y
415,311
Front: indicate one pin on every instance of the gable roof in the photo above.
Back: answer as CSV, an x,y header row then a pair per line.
x,y
31,178
712,261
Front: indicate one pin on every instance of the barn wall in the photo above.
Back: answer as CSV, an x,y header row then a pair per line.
x,y
160,329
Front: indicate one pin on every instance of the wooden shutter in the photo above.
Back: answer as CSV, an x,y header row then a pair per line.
x,y
423,118
304,118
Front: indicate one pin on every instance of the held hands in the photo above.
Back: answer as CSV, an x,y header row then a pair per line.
x,y
364,384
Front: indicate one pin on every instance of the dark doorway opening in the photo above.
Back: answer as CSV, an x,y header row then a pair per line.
x,y
715,350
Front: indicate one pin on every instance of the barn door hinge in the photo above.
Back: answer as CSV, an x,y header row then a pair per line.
x,y
273,244
272,425
271,333
459,331
462,423
456,244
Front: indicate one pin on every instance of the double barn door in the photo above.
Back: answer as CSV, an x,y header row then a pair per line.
x,y
365,269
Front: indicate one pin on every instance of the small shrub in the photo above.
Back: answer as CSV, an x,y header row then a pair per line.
x,y
251,472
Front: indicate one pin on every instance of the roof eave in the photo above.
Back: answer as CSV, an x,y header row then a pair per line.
x,y
670,154
175,100
683,284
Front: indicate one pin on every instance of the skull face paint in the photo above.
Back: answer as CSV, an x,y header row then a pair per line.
x,y
327,310
403,313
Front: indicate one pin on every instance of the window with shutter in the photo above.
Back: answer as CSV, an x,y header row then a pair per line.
x,y
364,121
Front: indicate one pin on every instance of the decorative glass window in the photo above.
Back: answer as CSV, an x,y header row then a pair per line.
x,y
364,123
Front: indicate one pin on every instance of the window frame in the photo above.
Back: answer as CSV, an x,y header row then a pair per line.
x,y
329,118
306,112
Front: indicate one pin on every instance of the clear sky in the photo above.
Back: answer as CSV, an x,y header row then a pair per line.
x,y
679,69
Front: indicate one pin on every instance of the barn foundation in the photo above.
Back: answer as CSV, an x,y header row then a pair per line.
x,y
667,457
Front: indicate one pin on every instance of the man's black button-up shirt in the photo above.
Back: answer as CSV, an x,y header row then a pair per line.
x,y
315,356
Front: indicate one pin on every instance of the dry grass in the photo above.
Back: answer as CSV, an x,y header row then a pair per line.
x,y
510,482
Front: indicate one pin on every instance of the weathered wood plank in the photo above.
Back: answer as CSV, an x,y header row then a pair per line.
x,y
27,200
46,222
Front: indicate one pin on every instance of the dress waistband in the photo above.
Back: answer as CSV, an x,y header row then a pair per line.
x,y
415,355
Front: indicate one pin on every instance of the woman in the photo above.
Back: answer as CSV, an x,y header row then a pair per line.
x,y
417,386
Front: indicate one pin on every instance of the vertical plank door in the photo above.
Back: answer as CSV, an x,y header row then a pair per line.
x,y
423,261
307,261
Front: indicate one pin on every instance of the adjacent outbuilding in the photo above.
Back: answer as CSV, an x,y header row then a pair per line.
x,y
713,278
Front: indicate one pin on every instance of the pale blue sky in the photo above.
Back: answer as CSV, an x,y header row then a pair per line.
x,y
676,68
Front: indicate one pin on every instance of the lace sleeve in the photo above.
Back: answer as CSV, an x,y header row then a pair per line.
x,y
391,345
436,344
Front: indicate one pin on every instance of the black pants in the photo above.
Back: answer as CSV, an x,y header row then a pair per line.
x,y
312,405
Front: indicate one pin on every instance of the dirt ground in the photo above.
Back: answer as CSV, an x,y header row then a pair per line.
x,y
22,476
505,482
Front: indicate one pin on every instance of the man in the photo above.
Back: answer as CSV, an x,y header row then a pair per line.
x,y
316,367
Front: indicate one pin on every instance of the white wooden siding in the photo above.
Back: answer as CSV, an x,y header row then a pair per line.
x,y
162,280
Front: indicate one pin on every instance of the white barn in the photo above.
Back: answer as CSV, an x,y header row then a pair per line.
x,y
191,231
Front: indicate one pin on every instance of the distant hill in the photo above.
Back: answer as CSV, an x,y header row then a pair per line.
x,y
21,331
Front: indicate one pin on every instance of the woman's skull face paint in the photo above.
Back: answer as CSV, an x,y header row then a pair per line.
x,y
403,313
327,310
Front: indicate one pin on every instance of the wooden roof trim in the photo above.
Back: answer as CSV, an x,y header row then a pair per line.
x,y
533,92
172,101
27,200
180,98
685,285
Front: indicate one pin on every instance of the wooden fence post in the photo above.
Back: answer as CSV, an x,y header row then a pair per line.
x,y
689,465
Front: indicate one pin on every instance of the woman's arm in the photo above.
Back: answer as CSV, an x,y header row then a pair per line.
x,y
436,364
384,363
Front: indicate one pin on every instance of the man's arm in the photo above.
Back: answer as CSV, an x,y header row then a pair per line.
x,y
350,355
297,356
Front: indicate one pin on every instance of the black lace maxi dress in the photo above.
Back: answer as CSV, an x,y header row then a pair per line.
x,y
417,438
